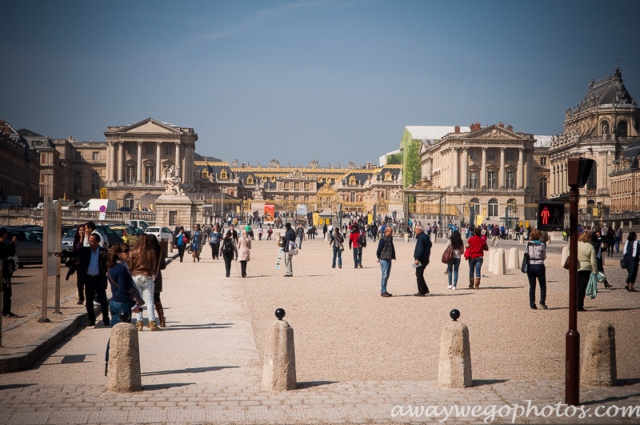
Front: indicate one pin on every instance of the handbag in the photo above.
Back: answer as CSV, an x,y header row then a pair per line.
x,y
467,253
133,291
293,248
524,268
447,255
566,264
623,263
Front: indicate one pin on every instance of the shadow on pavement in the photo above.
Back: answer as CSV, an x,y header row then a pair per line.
x,y
610,399
481,382
14,386
613,309
189,370
197,327
501,287
311,384
165,386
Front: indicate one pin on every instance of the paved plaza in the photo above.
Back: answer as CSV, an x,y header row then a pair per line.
x,y
360,358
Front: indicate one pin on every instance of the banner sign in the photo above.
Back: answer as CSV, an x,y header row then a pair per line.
x,y
269,213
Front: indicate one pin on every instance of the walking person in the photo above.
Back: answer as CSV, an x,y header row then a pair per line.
x,y
336,243
610,240
157,280
421,255
495,235
619,234
587,264
244,248
7,249
228,251
386,253
476,245
597,241
300,235
354,238
214,241
631,254
143,266
289,237
181,242
537,251
196,243
457,245
78,243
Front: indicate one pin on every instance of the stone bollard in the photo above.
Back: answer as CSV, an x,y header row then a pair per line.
x,y
455,356
565,254
327,237
514,258
522,241
492,253
124,375
599,355
499,263
406,237
279,369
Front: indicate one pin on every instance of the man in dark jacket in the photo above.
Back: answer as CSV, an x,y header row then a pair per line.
x,y
289,236
92,270
7,249
385,253
421,256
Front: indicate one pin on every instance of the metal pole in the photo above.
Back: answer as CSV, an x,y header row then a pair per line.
x,y
572,381
58,243
45,259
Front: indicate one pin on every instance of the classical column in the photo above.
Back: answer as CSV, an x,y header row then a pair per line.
x,y
465,167
120,160
503,174
108,178
483,170
456,162
178,166
139,164
158,161
520,168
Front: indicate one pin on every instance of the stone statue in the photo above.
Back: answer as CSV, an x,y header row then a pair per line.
x,y
257,194
172,183
395,194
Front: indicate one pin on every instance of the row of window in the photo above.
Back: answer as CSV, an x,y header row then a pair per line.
x,y
492,207
621,187
96,182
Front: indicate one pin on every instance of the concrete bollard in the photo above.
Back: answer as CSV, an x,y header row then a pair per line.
x,y
279,369
455,357
514,259
565,254
492,253
327,237
599,356
499,263
124,375
406,237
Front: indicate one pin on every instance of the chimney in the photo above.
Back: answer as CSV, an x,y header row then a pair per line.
x,y
478,125
501,124
457,129
510,127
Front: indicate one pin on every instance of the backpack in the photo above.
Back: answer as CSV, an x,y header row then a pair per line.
x,y
227,247
362,240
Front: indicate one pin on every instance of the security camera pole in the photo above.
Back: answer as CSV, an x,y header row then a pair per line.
x,y
579,170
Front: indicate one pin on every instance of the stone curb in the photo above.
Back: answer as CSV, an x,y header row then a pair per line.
x,y
33,352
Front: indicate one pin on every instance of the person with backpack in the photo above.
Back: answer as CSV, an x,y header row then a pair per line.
x,y
537,251
228,251
336,242
354,242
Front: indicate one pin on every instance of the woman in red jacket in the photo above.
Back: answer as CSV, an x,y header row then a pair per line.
x,y
476,245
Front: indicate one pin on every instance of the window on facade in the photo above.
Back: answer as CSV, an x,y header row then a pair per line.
x,y
353,197
492,211
473,180
250,179
130,150
491,179
622,129
512,207
95,182
296,186
592,183
543,160
491,155
223,174
265,179
149,149
173,218
543,188
510,179
95,156
131,174
306,186
78,157
474,206
273,179
510,155
168,150
286,186
471,154
387,176
149,174
352,180
77,183
129,200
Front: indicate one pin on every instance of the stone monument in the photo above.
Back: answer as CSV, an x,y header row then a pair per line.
x,y
173,207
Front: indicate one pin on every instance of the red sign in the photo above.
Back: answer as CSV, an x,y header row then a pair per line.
x,y
269,213
103,208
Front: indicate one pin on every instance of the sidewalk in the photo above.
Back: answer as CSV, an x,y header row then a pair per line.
x,y
206,366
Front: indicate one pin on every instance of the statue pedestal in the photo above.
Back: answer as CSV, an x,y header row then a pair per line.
x,y
177,207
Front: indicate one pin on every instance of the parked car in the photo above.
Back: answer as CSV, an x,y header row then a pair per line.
x,y
112,237
127,234
28,246
162,233
67,239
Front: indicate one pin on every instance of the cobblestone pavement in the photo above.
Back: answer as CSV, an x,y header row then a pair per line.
x,y
206,366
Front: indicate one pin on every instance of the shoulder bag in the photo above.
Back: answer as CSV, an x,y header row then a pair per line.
x,y
524,268
447,255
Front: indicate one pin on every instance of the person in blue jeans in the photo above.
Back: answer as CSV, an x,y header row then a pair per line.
x,y
336,242
386,253
537,254
455,241
181,242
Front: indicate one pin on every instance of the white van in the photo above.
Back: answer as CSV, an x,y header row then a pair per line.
x,y
140,224
95,204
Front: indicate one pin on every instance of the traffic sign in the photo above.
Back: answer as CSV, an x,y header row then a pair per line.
x,y
103,208
551,216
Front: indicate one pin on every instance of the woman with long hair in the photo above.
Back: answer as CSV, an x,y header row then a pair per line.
x,y
157,280
228,250
456,243
336,242
78,243
196,243
587,264
244,248
143,266
476,245
631,254
181,242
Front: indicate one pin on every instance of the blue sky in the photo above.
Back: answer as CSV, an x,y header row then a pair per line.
x,y
332,80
